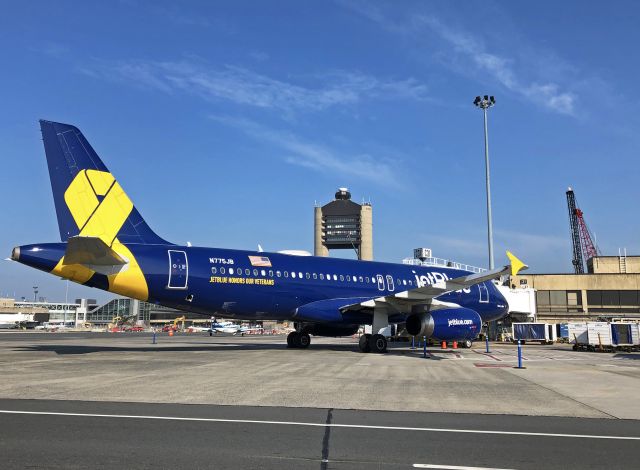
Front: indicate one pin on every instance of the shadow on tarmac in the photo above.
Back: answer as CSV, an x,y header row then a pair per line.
x,y
67,349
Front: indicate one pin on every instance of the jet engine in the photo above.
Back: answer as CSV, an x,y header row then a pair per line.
x,y
447,324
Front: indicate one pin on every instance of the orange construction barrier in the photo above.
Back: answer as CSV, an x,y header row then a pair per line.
x,y
455,345
444,345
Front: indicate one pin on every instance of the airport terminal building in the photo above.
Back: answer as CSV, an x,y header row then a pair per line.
x,y
610,289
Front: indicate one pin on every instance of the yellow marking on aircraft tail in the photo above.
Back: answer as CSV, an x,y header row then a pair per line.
x,y
110,216
103,219
74,272
80,199
100,180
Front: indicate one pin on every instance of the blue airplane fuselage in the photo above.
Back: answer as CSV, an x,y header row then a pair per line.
x,y
259,285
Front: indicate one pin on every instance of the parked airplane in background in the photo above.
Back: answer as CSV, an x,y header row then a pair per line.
x,y
108,245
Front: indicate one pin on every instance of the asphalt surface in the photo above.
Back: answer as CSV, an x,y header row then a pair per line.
x,y
127,435
332,373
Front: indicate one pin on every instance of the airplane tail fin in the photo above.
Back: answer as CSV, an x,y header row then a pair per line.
x,y
89,201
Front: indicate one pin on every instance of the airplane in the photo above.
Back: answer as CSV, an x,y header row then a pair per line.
x,y
230,328
106,244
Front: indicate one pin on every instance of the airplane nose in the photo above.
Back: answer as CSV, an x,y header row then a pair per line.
x,y
15,254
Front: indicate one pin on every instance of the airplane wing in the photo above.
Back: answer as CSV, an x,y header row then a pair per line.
x,y
425,294
91,251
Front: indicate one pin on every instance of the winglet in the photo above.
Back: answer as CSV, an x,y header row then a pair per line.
x,y
516,264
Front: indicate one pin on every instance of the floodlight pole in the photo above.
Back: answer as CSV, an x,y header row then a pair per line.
x,y
485,103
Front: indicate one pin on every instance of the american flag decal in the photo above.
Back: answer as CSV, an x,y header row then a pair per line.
x,y
261,261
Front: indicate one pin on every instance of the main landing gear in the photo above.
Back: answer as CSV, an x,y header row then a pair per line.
x,y
372,343
298,340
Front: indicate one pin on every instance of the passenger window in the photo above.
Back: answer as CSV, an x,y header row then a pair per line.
x,y
293,274
230,270
255,272
321,277
278,273
221,270
341,277
270,273
328,277
335,278
348,277
239,272
360,279
247,272
214,270
404,282
308,276
366,279
286,274
263,273
300,275
315,276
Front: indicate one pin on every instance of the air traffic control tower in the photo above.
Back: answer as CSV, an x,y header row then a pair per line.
x,y
344,225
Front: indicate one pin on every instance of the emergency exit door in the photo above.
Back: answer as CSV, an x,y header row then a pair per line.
x,y
178,269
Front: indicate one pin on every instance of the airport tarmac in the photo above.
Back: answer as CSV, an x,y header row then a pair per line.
x,y
112,401
261,371
112,435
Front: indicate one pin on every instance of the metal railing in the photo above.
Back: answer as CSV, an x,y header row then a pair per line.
x,y
444,263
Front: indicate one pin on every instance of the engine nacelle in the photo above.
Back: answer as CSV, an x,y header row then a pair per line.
x,y
446,324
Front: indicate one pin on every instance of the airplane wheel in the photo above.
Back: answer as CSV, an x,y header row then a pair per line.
x,y
468,343
364,343
292,339
378,344
304,340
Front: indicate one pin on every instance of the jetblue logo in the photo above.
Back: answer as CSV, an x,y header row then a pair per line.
x,y
435,278
458,322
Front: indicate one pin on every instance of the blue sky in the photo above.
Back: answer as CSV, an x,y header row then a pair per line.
x,y
226,121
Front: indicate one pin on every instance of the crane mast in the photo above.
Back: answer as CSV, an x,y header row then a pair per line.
x,y
583,246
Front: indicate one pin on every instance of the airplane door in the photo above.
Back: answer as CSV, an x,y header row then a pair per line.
x,y
178,269
380,282
390,283
484,293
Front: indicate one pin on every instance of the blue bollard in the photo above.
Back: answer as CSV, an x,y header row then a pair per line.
x,y
424,348
154,337
520,355
486,340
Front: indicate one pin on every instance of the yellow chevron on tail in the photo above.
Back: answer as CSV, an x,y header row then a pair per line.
x,y
103,219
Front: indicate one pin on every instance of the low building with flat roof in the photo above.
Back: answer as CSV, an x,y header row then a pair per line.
x,y
610,289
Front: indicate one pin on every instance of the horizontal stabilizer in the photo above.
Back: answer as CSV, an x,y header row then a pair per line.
x,y
91,251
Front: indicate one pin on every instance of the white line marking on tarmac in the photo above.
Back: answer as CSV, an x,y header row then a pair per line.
x,y
452,467
321,425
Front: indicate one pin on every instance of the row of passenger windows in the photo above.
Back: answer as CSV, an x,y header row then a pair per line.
x,y
300,275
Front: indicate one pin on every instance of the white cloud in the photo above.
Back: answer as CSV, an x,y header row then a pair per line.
x,y
297,151
246,87
465,49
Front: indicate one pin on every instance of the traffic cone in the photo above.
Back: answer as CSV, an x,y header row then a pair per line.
x,y
170,332
444,345
455,345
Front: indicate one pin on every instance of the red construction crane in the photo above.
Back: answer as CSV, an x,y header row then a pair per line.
x,y
583,246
